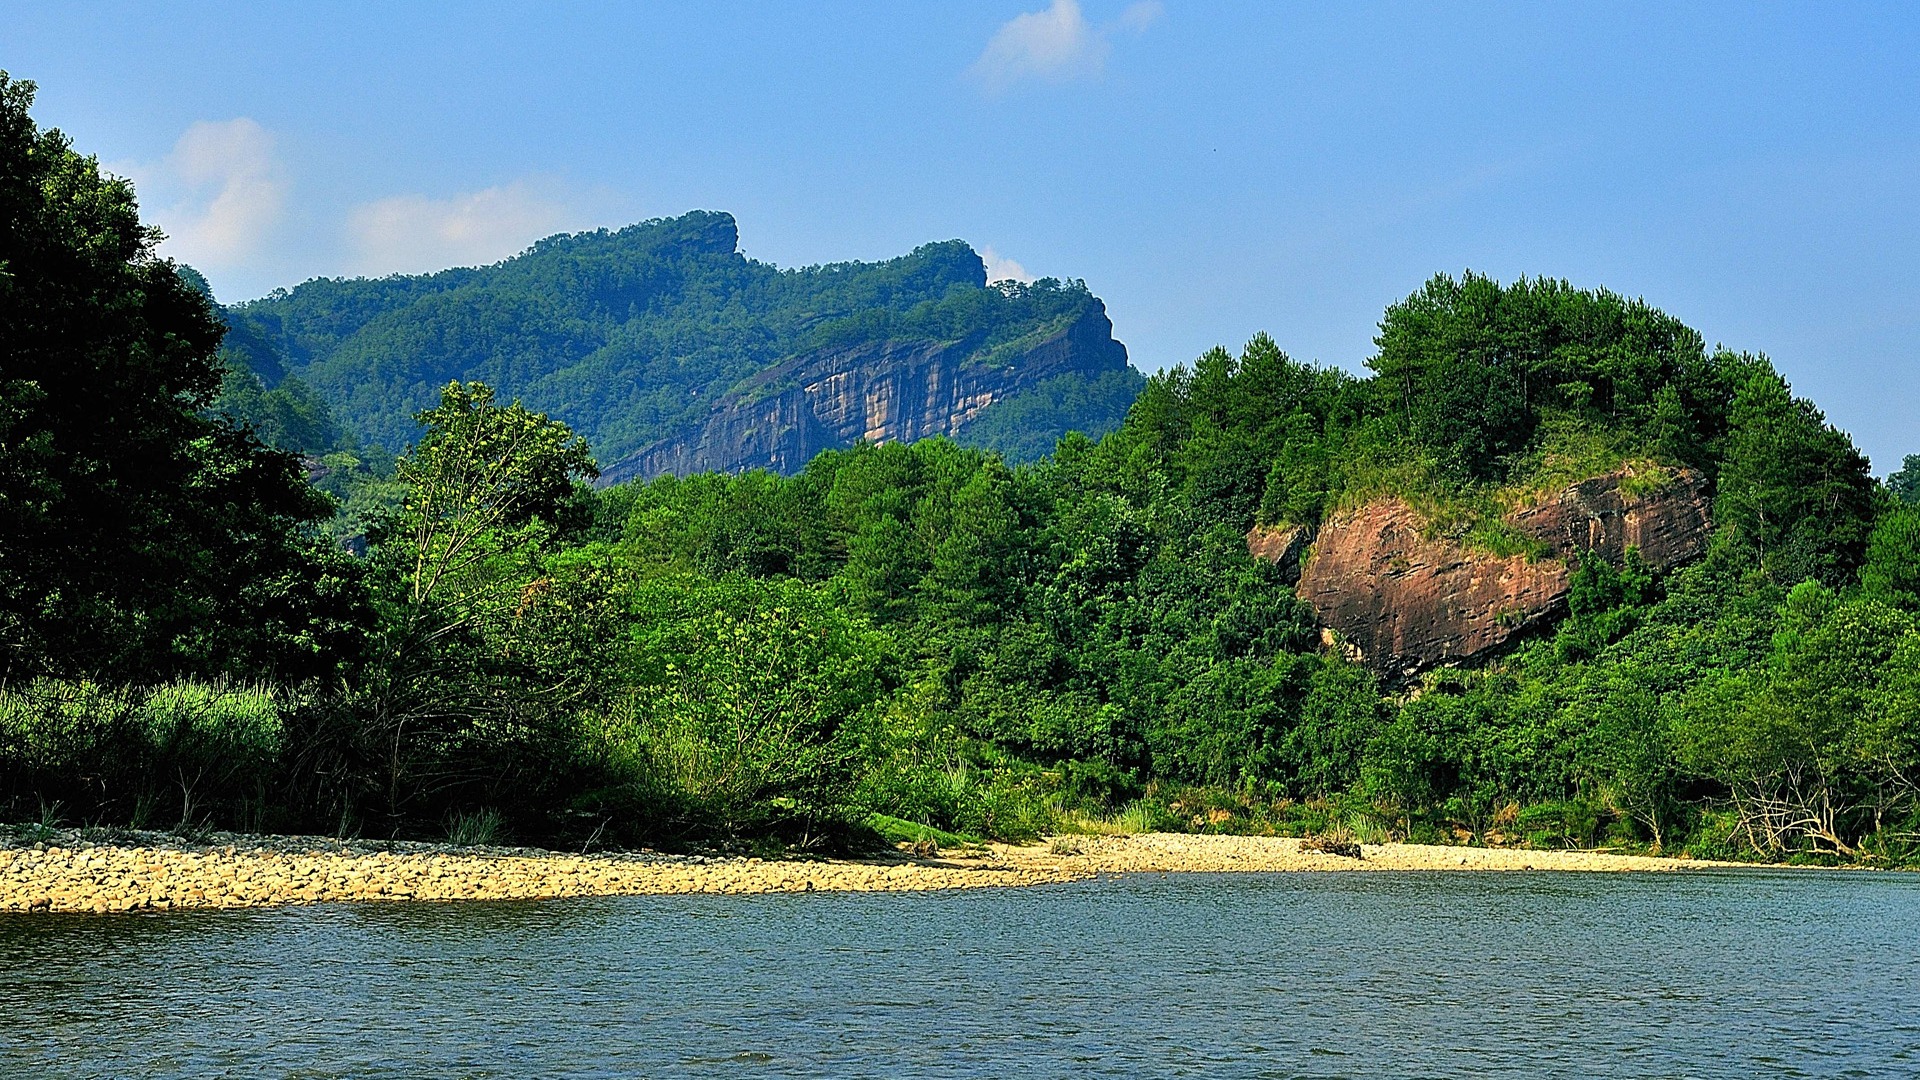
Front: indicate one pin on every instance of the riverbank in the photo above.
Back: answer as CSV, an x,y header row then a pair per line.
x,y
156,871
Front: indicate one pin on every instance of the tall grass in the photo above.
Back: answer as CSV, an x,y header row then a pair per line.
x,y
171,754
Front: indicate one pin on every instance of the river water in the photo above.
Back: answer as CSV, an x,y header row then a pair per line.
x,y
1745,975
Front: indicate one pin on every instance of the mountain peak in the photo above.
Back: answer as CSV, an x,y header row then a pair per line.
x,y
633,335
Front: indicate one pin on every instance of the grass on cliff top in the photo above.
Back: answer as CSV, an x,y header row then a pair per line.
x,y
1473,515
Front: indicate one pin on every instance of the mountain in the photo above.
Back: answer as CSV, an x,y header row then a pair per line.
x,y
882,390
670,350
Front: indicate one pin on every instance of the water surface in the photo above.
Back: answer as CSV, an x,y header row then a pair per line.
x,y
1283,975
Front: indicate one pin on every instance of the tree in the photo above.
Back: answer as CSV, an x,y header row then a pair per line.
x,y
1794,494
1628,750
1819,744
1905,484
136,533
484,642
745,702
1892,567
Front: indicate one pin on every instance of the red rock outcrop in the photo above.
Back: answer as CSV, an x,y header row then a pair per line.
x,y
1280,546
1409,602
1668,524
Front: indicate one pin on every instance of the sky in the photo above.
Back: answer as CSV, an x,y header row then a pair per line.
x,y
1211,170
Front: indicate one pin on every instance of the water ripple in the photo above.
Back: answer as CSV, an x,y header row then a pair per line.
x,y
1364,975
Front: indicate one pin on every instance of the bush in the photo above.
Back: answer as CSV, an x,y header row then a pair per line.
x,y
183,751
747,704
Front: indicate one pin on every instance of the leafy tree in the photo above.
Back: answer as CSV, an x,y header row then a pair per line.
x,y
975,567
1805,744
747,704
1339,716
486,641
1892,567
1794,494
138,536
1629,750
1905,483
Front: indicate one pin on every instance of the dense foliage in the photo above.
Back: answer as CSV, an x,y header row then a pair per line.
x,y
137,535
1024,427
914,639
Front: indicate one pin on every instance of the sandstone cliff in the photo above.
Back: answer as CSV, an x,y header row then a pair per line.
x,y
1408,602
876,391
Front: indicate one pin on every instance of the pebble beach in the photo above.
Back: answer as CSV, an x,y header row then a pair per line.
x,y
153,872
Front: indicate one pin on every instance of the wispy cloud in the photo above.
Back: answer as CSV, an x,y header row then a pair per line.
x,y
218,195
1055,45
1001,268
414,233
1139,16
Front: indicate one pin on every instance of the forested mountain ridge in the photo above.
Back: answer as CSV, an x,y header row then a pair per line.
x,y
632,336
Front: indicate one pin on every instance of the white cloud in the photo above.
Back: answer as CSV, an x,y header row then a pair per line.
x,y
224,192
1139,16
413,233
1056,44
1001,268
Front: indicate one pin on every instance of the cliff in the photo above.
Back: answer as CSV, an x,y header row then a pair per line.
x,y
880,391
1410,602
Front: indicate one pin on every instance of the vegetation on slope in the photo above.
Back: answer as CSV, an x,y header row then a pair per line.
x,y
628,335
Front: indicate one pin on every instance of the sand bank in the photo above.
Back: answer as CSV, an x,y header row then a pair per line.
x,y
152,872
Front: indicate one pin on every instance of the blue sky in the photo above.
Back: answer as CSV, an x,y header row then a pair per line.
x,y
1211,170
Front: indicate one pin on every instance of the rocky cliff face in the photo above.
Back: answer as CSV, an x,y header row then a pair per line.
x,y
877,392
1409,603
1668,524
1284,547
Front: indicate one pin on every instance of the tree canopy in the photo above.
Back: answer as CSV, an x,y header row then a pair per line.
x,y
137,534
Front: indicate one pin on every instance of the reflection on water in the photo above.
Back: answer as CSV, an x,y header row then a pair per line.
x,y
1746,974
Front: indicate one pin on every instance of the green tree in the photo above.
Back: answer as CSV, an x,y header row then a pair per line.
x,y
746,705
1629,751
1905,483
487,643
1892,567
138,536
1805,743
1794,494
1339,715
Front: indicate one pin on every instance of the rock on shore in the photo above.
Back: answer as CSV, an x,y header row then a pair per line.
x,y
72,875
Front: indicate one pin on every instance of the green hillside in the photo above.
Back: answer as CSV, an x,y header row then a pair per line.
x,y
628,335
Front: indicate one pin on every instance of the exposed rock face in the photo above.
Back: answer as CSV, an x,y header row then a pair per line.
x,y
1410,603
1282,547
1668,525
877,392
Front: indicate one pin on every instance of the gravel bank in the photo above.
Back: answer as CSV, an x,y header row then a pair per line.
x,y
1180,852
153,871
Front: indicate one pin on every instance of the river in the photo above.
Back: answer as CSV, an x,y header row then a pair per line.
x,y
1737,974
